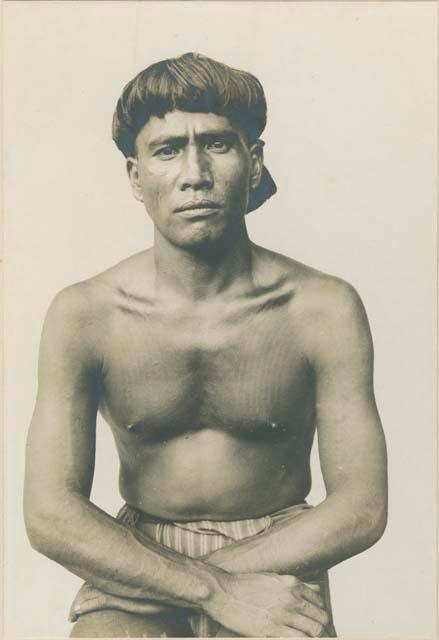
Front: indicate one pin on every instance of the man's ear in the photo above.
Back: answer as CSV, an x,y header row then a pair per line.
x,y
133,174
257,162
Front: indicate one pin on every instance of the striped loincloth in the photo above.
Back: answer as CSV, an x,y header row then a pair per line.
x,y
192,539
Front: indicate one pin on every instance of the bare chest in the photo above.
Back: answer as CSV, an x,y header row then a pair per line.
x,y
164,375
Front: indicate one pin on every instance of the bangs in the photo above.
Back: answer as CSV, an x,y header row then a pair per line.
x,y
192,83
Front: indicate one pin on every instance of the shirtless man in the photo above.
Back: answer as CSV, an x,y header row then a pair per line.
x,y
213,361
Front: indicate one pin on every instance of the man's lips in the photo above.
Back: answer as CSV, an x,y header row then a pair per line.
x,y
195,205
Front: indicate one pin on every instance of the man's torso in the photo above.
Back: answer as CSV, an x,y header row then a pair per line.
x,y
212,404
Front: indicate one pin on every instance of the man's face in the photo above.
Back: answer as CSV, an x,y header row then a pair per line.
x,y
193,172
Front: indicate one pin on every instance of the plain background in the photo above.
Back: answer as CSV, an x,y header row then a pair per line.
x,y
351,143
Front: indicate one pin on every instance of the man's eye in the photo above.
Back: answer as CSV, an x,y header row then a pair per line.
x,y
165,153
220,146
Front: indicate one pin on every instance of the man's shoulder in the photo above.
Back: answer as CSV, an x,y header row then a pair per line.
x,y
326,295
93,298
73,319
328,314
78,302
318,297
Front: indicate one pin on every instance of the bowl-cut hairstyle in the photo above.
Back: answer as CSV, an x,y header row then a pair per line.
x,y
194,83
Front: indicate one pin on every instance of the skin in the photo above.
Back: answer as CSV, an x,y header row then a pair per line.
x,y
207,353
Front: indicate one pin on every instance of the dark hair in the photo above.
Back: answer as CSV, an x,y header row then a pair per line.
x,y
192,82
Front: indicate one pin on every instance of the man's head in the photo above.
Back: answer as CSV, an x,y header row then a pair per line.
x,y
185,102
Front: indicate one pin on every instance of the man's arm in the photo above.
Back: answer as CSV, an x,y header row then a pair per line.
x,y
351,445
64,525
61,521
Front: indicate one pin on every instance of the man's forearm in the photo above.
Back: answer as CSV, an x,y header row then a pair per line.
x,y
315,540
111,557
97,548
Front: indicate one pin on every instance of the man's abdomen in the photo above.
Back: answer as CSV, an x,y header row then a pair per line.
x,y
213,474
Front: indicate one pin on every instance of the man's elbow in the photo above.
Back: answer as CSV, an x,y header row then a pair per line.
x,y
373,524
45,529
376,530
39,529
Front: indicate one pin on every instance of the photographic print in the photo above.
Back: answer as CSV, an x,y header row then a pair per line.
x,y
220,336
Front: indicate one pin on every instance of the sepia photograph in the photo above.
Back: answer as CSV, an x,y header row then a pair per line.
x,y
220,319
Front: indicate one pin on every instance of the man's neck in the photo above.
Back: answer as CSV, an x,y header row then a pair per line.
x,y
203,273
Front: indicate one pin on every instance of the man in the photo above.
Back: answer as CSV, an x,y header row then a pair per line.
x,y
213,361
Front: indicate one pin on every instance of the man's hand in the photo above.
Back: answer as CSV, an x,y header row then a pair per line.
x,y
268,605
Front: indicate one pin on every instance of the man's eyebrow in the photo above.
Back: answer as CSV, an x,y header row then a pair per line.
x,y
208,133
221,133
163,140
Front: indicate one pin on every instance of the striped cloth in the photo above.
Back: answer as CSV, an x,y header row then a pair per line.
x,y
192,539
195,539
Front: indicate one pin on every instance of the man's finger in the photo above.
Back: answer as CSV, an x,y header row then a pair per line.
x,y
306,625
311,596
314,612
290,632
312,585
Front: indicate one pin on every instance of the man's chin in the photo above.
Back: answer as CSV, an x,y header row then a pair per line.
x,y
213,234
201,238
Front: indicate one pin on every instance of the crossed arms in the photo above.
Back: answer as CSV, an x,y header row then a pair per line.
x,y
250,587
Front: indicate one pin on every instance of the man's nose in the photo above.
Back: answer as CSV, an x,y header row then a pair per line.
x,y
195,171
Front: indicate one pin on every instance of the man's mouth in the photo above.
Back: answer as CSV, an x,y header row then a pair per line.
x,y
197,207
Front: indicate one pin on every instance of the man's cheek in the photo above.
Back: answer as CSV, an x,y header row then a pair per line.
x,y
152,198
234,183
238,189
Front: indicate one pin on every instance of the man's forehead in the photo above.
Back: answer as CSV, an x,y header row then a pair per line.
x,y
184,123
